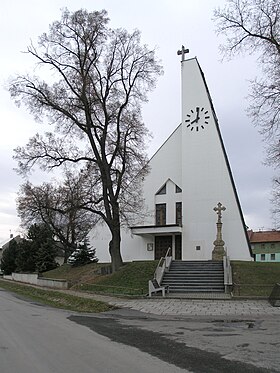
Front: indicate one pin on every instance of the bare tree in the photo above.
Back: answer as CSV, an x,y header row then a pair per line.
x,y
100,77
275,200
253,26
58,206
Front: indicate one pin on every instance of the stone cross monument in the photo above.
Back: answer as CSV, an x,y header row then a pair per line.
x,y
219,251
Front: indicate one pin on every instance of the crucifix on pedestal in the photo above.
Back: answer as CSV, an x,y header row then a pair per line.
x,y
219,251
219,210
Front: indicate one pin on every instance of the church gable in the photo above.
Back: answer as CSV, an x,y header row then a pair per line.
x,y
166,164
169,187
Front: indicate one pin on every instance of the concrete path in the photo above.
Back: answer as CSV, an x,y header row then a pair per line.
x,y
200,307
189,307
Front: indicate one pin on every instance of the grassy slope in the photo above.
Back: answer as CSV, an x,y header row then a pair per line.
x,y
55,298
76,274
131,279
255,278
251,278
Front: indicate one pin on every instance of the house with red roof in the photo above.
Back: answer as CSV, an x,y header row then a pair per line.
x,y
265,245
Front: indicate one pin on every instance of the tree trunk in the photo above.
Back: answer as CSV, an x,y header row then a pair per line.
x,y
67,252
115,248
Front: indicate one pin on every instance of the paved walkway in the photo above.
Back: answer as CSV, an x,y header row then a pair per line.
x,y
190,307
187,307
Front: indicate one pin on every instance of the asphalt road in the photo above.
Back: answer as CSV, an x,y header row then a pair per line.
x,y
37,339
40,339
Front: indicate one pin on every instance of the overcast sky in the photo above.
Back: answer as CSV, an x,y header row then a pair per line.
x,y
166,25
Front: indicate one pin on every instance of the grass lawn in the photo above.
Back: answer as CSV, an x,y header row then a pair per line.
x,y
254,278
251,279
131,279
56,299
76,274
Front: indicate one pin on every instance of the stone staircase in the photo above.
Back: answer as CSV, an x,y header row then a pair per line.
x,y
195,277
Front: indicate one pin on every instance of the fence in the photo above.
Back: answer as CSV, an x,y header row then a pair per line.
x,y
34,279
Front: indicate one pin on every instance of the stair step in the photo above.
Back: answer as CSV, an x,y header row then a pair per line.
x,y
195,290
192,281
196,271
195,266
196,286
189,262
187,289
176,278
195,277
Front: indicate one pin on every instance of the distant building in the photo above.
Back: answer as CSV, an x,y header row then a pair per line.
x,y
265,245
5,244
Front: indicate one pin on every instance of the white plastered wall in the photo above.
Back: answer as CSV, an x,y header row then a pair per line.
x,y
196,162
206,177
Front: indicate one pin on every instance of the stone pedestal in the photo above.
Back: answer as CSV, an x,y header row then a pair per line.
x,y
219,252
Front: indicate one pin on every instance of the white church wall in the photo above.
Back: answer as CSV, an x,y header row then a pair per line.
x,y
132,247
195,161
165,164
206,177
170,199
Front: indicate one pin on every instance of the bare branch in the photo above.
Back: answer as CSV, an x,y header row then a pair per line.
x,y
253,26
100,79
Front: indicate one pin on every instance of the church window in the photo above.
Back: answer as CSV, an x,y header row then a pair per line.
x,y
179,213
162,190
178,189
161,214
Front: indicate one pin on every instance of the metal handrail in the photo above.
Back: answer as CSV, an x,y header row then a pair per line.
x,y
163,264
227,273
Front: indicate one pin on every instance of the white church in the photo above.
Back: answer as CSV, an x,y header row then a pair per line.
x,y
189,176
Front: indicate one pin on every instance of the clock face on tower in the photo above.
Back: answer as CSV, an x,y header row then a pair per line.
x,y
197,118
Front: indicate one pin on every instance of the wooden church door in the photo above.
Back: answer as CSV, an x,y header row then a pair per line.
x,y
162,243
178,247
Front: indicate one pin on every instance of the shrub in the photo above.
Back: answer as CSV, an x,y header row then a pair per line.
x,y
84,254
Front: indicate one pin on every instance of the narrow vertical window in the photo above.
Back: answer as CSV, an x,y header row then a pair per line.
x,y
262,256
179,213
161,214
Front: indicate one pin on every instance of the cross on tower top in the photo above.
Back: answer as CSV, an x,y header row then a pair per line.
x,y
219,210
182,52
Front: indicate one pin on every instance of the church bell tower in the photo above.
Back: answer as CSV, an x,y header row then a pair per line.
x,y
206,175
